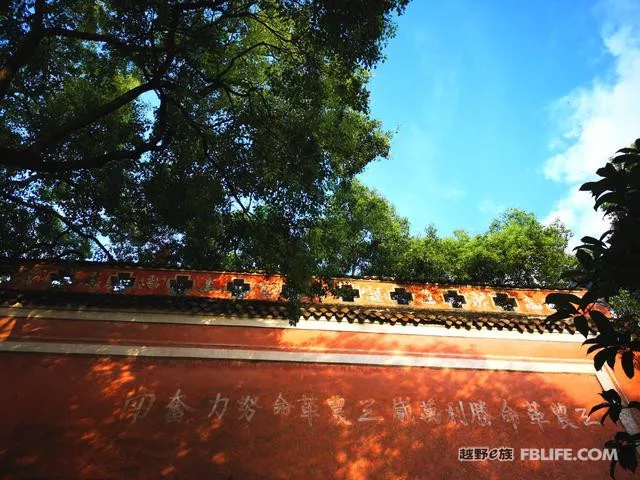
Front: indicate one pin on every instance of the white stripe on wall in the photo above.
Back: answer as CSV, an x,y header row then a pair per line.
x,y
505,363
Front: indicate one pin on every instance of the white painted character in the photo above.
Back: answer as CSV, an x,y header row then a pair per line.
x,y
428,411
137,407
560,411
281,406
530,304
208,286
402,410
151,282
586,419
219,406
509,415
535,415
367,412
479,413
309,408
336,404
247,407
176,408
458,415
477,299
428,298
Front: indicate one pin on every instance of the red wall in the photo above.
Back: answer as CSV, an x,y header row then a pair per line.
x,y
63,417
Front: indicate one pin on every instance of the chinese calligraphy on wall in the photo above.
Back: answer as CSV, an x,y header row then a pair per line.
x,y
310,409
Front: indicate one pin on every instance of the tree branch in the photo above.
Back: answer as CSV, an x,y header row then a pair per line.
x,y
46,210
197,5
216,81
53,137
24,159
275,33
96,37
25,50
50,246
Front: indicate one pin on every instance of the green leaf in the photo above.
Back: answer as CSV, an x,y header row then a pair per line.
x,y
608,340
585,259
562,299
592,348
614,413
627,150
596,187
628,458
611,396
611,197
627,363
612,353
591,296
595,408
602,322
600,359
612,469
592,241
606,171
581,325
559,315
630,155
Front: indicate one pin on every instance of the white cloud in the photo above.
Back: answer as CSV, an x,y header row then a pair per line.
x,y
597,120
489,207
576,211
454,193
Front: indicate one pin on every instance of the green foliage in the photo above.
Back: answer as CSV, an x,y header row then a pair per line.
x,y
214,131
516,250
360,233
626,312
609,267
219,135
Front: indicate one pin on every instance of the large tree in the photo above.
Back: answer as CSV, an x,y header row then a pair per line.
x,y
209,130
516,250
360,234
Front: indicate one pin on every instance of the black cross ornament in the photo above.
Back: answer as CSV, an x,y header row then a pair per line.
x,y
401,296
347,293
62,278
238,287
121,282
505,301
181,284
454,298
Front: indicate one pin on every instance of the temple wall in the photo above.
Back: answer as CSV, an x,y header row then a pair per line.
x,y
171,398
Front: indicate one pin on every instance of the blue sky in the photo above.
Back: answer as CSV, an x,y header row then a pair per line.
x,y
503,103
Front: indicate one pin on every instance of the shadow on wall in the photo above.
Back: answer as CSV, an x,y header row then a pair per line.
x,y
89,417
80,417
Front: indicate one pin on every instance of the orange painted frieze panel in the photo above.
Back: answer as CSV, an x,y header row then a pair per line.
x,y
93,278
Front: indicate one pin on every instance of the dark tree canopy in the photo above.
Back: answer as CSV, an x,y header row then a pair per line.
x,y
208,130
219,134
